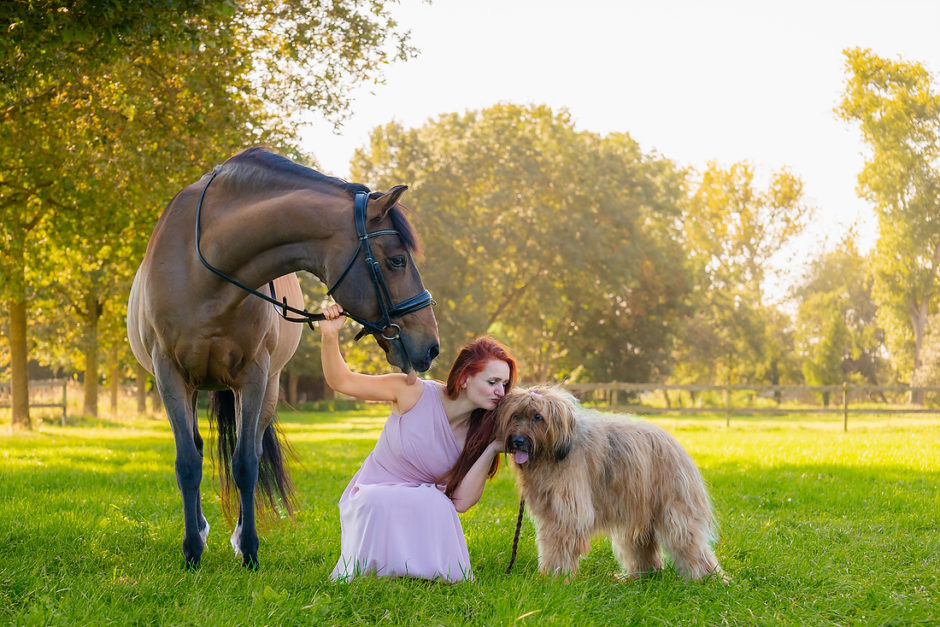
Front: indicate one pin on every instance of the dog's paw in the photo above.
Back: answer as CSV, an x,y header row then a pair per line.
x,y
719,575
629,577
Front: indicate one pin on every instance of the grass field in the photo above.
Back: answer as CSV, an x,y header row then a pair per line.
x,y
818,527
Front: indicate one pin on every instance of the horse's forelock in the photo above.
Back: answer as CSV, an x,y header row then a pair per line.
x,y
401,224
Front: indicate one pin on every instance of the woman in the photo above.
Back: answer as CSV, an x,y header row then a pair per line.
x,y
399,512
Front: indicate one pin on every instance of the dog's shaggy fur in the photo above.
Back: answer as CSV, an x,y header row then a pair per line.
x,y
582,473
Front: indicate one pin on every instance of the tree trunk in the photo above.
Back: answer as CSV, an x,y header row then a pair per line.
x,y
115,382
92,314
292,381
918,316
19,375
141,389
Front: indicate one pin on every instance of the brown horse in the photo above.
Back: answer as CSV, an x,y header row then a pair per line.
x,y
197,318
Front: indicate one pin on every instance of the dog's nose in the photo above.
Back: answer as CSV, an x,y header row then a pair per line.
x,y
517,441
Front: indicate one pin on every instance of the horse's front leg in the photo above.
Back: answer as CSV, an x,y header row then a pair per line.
x,y
179,399
248,401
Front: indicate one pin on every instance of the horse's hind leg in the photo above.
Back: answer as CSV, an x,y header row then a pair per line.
x,y
197,439
179,400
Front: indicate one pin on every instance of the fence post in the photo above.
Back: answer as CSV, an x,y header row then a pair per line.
x,y
845,407
65,386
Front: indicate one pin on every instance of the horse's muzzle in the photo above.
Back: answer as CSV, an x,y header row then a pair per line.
x,y
423,363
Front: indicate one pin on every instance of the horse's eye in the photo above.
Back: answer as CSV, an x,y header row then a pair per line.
x,y
537,418
398,261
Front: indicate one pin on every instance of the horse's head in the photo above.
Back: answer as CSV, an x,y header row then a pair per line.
x,y
389,286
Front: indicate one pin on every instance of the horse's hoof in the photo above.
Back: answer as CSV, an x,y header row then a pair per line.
x,y
192,553
251,563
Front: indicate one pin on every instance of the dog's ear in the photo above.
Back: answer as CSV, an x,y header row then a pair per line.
x,y
562,448
563,422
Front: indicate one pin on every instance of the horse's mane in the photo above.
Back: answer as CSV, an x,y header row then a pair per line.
x,y
257,167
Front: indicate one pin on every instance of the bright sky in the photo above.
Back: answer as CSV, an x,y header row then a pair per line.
x,y
692,80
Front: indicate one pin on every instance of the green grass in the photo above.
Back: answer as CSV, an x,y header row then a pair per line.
x,y
817,527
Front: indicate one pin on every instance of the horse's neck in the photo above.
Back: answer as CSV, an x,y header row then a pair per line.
x,y
259,241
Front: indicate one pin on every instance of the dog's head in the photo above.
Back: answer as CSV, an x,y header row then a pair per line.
x,y
536,424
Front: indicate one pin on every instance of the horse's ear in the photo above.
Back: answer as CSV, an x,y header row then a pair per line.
x,y
381,205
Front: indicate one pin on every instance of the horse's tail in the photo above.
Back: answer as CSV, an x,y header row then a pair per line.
x,y
274,492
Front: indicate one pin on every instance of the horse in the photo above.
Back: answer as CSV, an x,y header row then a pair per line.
x,y
214,303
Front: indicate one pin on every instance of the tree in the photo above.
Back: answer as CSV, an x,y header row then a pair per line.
x,y
51,53
108,109
555,241
929,373
839,338
897,107
731,229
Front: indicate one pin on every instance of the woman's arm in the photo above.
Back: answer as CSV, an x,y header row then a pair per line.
x,y
471,487
393,388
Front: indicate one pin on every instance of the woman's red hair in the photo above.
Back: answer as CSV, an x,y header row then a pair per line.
x,y
472,359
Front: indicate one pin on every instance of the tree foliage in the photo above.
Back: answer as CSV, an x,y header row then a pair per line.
x,y
551,239
897,108
108,109
838,335
731,229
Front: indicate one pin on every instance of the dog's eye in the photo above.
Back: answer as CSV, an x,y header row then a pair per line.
x,y
537,418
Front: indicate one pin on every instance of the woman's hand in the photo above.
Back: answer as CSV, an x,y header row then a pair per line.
x,y
471,486
334,319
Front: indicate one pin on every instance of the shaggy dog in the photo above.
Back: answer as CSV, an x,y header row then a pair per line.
x,y
582,473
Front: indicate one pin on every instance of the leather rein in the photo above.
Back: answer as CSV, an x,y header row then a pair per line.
x,y
388,309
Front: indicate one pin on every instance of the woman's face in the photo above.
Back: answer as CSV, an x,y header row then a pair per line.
x,y
486,387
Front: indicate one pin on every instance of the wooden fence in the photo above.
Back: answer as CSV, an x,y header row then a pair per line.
x,y
658,398
756,399
39,390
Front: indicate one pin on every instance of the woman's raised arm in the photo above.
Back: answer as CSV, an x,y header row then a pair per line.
x,y
398,389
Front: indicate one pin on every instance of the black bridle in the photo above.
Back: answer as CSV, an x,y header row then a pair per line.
x,y
388,309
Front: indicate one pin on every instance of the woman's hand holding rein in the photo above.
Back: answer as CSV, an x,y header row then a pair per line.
x,y
334,319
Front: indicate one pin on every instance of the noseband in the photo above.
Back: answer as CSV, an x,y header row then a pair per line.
x,y
384,325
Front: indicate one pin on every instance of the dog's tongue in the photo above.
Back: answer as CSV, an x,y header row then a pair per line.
x,y
520,457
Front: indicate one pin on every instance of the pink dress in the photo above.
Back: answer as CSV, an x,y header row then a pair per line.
x,y
396,521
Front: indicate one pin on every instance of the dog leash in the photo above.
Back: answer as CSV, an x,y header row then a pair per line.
x,y
515,540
